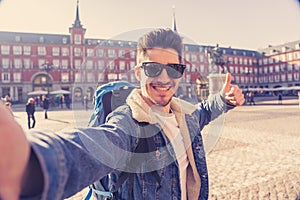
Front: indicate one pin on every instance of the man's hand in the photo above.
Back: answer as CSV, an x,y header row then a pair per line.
x,y
232,93
14,151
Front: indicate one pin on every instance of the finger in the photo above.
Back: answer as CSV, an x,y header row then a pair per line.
x,y
227,80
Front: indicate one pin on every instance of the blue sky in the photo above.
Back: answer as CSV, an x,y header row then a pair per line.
x,y
249,24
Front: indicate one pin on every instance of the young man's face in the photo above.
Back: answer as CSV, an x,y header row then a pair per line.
x,y
160,89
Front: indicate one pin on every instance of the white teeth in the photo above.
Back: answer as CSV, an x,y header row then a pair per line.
x,y
161,88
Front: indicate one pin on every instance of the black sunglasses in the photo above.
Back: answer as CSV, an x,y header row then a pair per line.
x,y
153,69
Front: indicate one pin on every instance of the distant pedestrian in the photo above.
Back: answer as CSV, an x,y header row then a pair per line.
x,y
280,98
251,96
45,101
299,98
30,110
86,102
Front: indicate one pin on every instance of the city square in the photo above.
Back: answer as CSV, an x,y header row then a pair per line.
x,y
255,157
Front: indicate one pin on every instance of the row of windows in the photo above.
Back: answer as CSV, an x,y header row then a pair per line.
x,y
65,51
281,58
65,64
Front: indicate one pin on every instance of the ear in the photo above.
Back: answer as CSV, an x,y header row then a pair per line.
x,y
137,72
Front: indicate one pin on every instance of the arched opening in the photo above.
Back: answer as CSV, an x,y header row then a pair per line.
x,y
42,82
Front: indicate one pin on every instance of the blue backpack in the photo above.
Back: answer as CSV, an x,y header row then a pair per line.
x,y
107,98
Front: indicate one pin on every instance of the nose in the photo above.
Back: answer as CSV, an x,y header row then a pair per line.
x,y
163,77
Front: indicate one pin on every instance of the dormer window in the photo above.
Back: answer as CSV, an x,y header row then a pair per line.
x,y
64,40
42,39
18,38
77,39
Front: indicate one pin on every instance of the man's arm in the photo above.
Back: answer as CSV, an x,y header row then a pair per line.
x,y
15,152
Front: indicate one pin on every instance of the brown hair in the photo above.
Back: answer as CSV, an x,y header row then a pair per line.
x,y
162,38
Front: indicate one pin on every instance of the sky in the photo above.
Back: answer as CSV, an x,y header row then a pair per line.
x,y
245,24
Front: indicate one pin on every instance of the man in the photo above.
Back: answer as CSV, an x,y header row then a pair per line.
x,y
45,101
56,166
30,110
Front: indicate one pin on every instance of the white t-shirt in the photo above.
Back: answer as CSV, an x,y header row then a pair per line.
x,y
172,131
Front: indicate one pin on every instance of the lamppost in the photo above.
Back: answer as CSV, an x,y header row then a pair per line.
x,y
47,68
247,77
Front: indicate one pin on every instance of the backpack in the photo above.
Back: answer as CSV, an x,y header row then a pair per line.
x,y
107,98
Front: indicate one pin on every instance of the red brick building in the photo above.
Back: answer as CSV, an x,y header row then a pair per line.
x,y
32,62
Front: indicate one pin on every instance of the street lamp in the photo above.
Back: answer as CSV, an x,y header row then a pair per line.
x,y
247,73
47,68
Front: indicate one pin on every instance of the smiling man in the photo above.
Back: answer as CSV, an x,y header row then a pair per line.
x,y
57,165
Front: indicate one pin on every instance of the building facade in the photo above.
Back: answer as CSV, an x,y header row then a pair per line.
x,y
32,62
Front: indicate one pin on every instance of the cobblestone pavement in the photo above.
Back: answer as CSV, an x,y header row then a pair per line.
x,y
257,155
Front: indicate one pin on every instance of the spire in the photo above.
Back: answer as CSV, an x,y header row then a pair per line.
x,y
77,23
174,20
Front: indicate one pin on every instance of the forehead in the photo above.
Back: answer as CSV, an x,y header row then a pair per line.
x,y
163,56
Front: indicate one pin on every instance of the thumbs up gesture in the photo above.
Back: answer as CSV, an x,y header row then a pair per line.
x,y
232,93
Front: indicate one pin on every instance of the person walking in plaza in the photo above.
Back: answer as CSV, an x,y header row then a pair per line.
x,y
30,110
279,98
251,96
45,102
47,165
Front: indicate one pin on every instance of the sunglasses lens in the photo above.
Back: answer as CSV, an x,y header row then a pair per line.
x,y
154,69
175,70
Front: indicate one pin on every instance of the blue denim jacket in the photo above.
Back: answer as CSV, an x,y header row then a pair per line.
x,y
73,159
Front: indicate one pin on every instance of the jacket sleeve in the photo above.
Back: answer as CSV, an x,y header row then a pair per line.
x,y
212,108
73,159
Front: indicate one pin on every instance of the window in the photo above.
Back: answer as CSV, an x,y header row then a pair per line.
x,y
201,58
111,65
17,77
26,63
90,52
194,58
90,78
202,68
41,51
17,50
111,53
77,52
101,77
5,50
101,64
271,69
245,61
100,53
64,77
77,77
5,63
5,77
132,54
122,65
77,38
187,57
283,77
296,76
55,63
270,60
277,69
64,64
55,51
235,60
132,64
65,52
41,63
17,63
77,64
290,77
89,64
64,40
121,53
27,50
